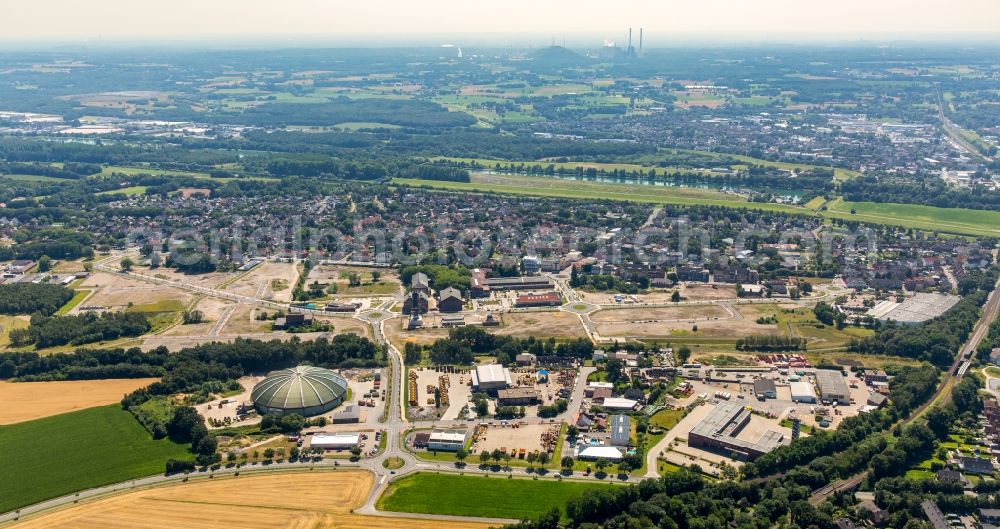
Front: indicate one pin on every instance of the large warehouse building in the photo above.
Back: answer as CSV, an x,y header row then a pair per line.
x,y
304,390
491,378
915,309
832,386
721,429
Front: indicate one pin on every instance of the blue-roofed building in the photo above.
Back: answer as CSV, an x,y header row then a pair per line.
x,y
621,430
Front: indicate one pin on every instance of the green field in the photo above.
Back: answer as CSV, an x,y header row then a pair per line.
x,y
7,324
132,171
485,497
120,169
554,187
78,297
358,125
952,220
66,453
33,178
129,191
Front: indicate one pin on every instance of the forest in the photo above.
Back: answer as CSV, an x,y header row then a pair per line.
x,y
31,298
929,190
193,365
50,331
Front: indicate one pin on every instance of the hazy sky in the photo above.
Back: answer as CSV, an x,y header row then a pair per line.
x,y
577,20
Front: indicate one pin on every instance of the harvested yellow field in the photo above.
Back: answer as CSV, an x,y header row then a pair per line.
x,y
293,500
24,401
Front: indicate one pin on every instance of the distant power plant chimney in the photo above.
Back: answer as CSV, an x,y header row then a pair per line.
x,y
640,41
628,50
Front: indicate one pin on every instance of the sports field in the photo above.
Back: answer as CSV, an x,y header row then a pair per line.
x,y
275,500
26,401
74,451
554,187
951,220
480,496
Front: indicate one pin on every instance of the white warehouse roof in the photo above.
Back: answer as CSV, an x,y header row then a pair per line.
x,y
802,389
492,374
619,404
600,452
448,436
335,440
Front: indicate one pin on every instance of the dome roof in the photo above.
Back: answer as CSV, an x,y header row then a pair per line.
x,y
301,389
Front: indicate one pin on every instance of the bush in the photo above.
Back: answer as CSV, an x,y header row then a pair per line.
x,y
176,466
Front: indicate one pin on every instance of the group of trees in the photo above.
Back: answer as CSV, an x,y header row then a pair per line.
x,y
463,344
827,315
32,298
437,172
607,282
440,276
49,331
187,426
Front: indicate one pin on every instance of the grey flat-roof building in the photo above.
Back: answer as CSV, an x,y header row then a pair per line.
x,y
621,430
719,432
832,386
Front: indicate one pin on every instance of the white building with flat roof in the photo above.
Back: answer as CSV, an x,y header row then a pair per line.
x,y
447,440
335,441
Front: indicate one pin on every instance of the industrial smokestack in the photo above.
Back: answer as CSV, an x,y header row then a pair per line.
x,y
640,41
628,50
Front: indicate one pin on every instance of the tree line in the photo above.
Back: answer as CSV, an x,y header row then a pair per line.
x,y
463,344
